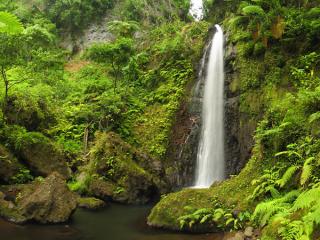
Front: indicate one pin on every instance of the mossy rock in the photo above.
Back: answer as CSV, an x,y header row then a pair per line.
x,y
9,211
232,193
116,163
34,114
9,165
42,155
91,203
101,188
47,200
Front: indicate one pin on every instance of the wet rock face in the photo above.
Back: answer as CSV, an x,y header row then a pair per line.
x,y
49,201
182,151
239,129
185,135
232,115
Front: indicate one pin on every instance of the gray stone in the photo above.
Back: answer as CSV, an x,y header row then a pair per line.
x,y
48,201
248,232
239,236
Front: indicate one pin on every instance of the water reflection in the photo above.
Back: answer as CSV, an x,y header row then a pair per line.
x,y
117,222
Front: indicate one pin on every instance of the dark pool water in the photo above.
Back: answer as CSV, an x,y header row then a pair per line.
x,y
116,222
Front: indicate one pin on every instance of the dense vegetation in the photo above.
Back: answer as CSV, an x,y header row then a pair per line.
x,y
277,65
102,117
57,104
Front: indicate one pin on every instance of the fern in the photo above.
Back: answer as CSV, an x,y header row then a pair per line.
x,y
10,24
307,199
253,10
287,176
236,21
307,170
314,117
289,153
266,210
313,217
292,230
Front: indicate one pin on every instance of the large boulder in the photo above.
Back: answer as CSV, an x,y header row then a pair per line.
x,y
120,173
42,156
9,165
48,201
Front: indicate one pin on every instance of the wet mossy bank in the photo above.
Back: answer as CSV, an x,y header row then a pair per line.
x,y
232,193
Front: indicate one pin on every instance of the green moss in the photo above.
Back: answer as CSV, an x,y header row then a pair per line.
x,y
9,211
232,193
91,203
117,170
235,85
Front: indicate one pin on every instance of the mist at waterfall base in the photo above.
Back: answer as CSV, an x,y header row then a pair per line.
x,y
210,157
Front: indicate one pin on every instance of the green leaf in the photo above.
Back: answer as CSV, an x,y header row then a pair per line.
x,y
287,176
307,170
253,10
10,24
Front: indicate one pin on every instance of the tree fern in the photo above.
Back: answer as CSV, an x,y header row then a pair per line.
x,y
10,24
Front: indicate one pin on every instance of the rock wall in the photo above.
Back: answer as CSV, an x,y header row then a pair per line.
x,y
186,131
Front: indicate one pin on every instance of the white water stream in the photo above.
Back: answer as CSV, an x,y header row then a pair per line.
x,y
210,158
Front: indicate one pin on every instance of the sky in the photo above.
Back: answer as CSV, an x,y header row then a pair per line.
x,y
196,9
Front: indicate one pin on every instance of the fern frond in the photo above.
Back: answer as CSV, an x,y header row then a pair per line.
x,y
266,210
313,216
10,24
236,21
253,10
287,176
307,199
273,191
289,153
307,170
314,117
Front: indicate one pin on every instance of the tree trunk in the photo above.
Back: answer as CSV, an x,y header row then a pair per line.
x,y
5,99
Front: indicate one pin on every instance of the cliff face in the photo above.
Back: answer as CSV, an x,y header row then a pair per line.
x,y
239,127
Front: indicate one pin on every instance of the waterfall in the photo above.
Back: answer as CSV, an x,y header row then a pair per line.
x,y
210,157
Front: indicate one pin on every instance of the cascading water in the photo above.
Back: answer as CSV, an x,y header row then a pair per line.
x,y
210,157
